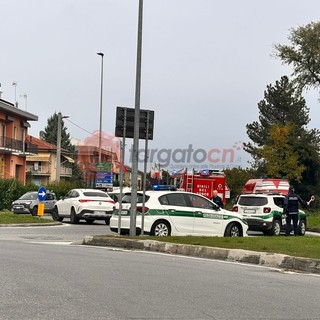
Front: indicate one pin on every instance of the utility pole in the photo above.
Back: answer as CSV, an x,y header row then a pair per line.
x,y
58,160
135,149
101,91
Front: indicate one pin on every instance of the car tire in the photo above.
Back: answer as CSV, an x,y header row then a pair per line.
x,y
276,228
34,211
107,221
233,230
90,221
73,217
55,215
302,228
161,228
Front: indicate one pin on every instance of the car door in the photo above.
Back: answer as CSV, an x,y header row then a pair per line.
x,y
208,217
49,202
178,212
66,202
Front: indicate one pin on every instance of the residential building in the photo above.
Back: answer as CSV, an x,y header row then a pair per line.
x,y
14,147
41,168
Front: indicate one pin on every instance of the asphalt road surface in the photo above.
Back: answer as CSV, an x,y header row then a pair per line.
x,y
45,277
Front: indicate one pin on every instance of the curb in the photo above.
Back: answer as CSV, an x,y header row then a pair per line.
x,y
31,224
274,260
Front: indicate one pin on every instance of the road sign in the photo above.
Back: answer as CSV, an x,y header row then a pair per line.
x,y
104,179
42,193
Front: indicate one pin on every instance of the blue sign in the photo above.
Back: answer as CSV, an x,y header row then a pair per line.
x,y
42,193
104,179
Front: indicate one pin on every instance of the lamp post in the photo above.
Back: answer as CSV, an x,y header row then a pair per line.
x,y
101,90
60,117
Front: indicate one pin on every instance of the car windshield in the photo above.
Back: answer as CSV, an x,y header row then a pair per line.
x,y
95,194
29,196
253,201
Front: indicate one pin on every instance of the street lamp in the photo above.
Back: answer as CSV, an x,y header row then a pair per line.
x,y
60,117
101,89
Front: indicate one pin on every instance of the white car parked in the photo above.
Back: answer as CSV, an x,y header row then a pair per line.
x,y
87,204
180,213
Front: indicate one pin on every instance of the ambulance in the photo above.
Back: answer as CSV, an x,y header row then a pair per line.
x,y
266,185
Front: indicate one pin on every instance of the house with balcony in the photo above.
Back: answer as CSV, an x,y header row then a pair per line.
x,y
41,167
14,147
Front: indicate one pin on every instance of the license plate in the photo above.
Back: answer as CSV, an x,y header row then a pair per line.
x,y
99,212
124,213
249,211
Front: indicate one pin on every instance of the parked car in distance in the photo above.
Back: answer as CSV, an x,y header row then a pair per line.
x,y
178,213
28,203
87,204
264,212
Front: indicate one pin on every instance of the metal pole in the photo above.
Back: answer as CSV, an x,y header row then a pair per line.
x,y
101,91
135,148
122,168
145,174
58,148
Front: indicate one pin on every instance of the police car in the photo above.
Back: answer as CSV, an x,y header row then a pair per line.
x,y
264,212
179,213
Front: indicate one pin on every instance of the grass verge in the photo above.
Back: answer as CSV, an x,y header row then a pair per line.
x,y
306,246
8,217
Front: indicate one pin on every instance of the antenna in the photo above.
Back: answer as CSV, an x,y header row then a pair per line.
x,y
25,100
14,83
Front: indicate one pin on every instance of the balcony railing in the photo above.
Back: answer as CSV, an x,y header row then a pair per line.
x,y
13,145
46,170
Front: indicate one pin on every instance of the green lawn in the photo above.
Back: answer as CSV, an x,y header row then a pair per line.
x,y
8,217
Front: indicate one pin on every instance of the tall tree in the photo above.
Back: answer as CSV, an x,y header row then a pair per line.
x,y
50,135
280,157
303,55
283,106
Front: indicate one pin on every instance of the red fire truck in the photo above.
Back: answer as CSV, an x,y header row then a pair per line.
x,y
202,182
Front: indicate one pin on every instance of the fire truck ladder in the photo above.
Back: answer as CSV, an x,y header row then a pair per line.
x,y
189,184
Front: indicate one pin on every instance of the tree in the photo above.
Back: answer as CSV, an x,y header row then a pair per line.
x,y
236,179
283,111
303,55
50,135
280,156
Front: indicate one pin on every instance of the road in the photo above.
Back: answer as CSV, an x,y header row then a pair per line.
x,y
43,276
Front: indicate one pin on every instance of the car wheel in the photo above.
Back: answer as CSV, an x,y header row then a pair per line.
x,y
233,230
90,221
276,228
161,229
107,221
55,215
73,216
34,211
302,227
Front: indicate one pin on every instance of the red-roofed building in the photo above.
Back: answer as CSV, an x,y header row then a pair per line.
x,y
14,147
41,168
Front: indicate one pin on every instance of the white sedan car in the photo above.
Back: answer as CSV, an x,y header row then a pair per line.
x,y
87,204
178,213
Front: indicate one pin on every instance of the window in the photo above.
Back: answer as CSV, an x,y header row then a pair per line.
x,y
174,199
49,196
200,202
253,201
278,201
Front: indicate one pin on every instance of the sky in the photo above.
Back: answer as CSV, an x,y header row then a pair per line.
x,y
205,66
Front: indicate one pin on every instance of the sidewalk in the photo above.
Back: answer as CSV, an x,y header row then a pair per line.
x,y
274,260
